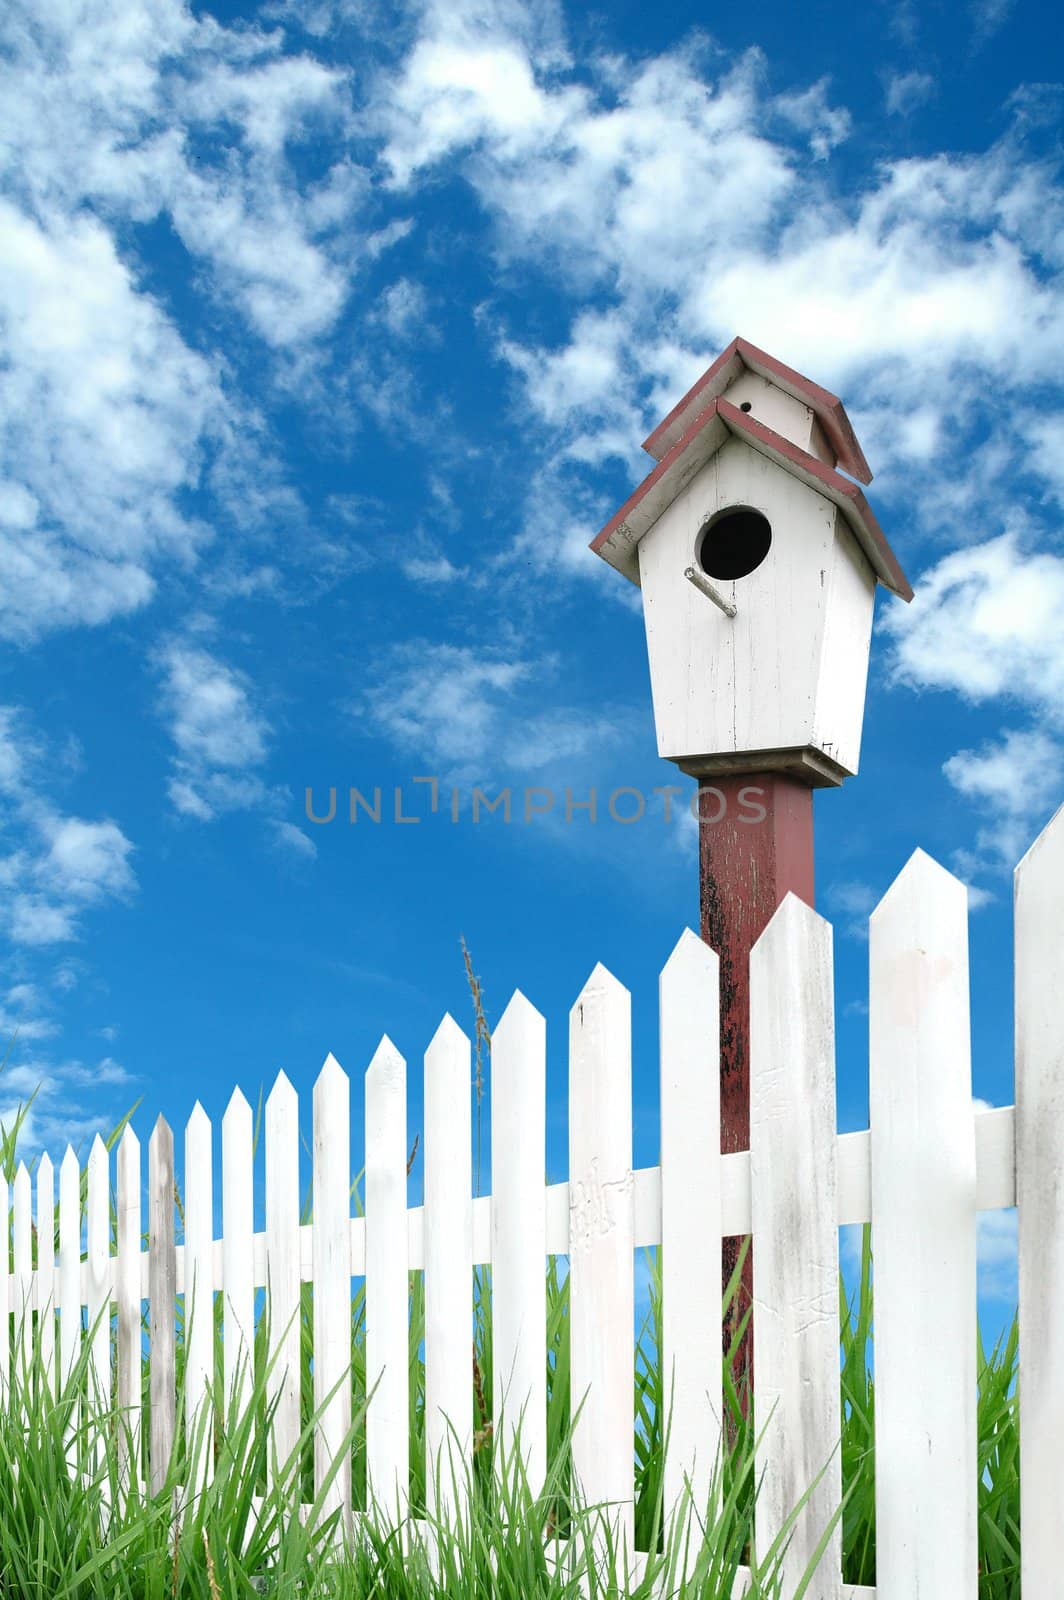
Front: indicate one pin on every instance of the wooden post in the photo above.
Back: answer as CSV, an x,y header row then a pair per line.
x,y
755,847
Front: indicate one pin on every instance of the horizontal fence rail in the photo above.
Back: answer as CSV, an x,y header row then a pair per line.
x,y
928,1164
995,1191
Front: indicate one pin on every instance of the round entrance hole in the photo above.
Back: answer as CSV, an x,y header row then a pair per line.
x,y
734,544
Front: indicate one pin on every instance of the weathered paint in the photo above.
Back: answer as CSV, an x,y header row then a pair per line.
x,y
732,369
617,541
755,847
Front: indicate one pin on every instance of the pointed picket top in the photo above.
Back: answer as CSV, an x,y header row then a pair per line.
x,y
331,1072
22,1181
197,1116
69,1163
921,881
128,1143
387,1066
45,1171
690,953
520,1019
161,1131
600,986
237,1107
448,1036
793,920
282,1094
1045,856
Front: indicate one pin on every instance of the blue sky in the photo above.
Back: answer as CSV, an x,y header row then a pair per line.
x,y
330,332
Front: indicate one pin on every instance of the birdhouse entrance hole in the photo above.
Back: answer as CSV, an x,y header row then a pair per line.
x,y
734,543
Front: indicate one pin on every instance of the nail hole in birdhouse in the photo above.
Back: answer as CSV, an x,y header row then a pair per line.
x,y
734,543
746,406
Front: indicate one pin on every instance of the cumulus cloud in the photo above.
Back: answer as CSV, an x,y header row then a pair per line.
x,y
931,295
111,420
220,739
60,865
472,712
985,624
1015,782
907,91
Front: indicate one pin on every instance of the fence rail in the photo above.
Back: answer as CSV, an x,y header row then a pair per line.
x,y
927,1165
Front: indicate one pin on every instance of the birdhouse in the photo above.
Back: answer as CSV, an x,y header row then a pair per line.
x,y
758,557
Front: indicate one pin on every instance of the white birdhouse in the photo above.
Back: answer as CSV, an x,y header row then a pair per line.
x,y
758,560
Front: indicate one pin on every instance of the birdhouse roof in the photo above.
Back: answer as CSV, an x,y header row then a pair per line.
x,y
708,430
827,407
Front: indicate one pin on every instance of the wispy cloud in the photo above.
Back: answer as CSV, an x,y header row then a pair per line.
x,y
61,865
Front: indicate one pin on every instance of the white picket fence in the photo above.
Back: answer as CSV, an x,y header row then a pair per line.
x,y
921,1172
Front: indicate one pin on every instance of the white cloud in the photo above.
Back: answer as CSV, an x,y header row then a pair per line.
x,y
294,841
219,736
930,296
985,624
1016,782
110,420
103,412
997,1255
61,865
471,713
988,16
906,92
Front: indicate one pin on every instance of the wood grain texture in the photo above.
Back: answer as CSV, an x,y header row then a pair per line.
x,y
199,1293
162,1293
923,1237
448,1270
128,1308
332,1289
601,1249
793,1202
387,1284
518,1239
98,1260
690,1219
238,1256
1040,1197
70,1288
283,1269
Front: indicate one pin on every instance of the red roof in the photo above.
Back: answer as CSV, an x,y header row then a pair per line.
x,y
706,432
827,407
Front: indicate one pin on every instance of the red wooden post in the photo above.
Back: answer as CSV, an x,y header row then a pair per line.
x,y
755,846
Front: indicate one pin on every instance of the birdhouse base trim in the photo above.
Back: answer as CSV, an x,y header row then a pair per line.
x,y
805,764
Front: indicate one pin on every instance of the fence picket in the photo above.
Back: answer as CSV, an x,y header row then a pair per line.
x,y
5,1297
70,1287
282,1269
199,1291
690,1220
162,1293
45,1296
795,1237
98,1242
448,1270
1040,1198
332,1287
387,1284
128,1298
23,1245
238,1260
923,1237
519,1238
602,1250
